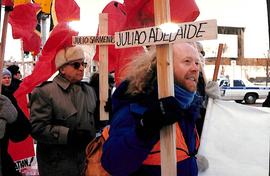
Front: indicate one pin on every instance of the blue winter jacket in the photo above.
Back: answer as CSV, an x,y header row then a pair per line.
x,y
124,152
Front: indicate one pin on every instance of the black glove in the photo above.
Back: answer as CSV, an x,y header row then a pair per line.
x,y
79,138
165,111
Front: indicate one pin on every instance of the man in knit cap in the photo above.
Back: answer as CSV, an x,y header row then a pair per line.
x,y
62,116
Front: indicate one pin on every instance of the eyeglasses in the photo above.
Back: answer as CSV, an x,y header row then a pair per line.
x,y
77,65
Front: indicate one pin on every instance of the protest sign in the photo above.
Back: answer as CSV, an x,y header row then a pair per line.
x,y
235,139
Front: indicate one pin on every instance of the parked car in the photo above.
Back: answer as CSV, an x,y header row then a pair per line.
x,y
240,91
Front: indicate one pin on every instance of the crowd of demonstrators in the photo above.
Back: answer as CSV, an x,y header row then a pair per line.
x,y
138,116
65,115
94,82
14,125
62,116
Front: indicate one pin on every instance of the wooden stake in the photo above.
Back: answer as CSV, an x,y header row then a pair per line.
x,y
103,67
217,64
3,44
165,88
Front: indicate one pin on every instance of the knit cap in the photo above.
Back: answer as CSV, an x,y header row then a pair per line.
x,y
6,72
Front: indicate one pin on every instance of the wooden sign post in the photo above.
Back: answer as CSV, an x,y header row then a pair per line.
x,y
3,44
165,89
103,68
217,64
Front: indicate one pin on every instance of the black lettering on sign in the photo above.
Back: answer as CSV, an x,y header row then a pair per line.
x,y
24,163
93,40
142,37
192,29
200,31
158,33
77,41
154,35
120,36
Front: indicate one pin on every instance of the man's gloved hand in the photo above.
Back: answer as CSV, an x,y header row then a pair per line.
x,y
202,163
163,112
212,90
79,137
7,111
108,105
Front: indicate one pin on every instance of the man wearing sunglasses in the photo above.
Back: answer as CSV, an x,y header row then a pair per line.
x,y
62,117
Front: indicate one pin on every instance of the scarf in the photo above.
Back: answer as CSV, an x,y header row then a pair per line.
x,y
183,96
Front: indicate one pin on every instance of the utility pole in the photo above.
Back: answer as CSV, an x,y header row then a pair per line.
x,y
43,22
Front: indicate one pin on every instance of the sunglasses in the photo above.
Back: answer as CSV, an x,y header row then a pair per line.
x,y
77,65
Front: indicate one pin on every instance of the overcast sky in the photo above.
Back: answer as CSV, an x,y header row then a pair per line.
x,y
237,13
252,15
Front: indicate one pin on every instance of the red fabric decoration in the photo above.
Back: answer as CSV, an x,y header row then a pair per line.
x,y
116,21
64,11
7,3
23,22
117,58
125,55
33,43
140,13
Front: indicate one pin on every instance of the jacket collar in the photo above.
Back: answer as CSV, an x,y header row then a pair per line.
x,y
62,82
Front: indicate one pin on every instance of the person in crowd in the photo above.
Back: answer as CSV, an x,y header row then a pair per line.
x,y
14,126
8,91
62,116
94,82
22,120
16,77
138,116
6,78
266,102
